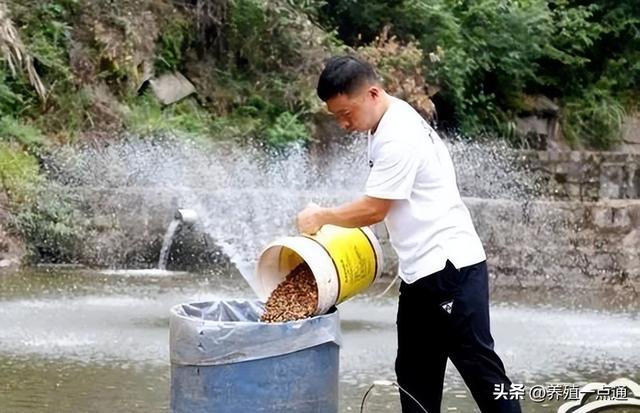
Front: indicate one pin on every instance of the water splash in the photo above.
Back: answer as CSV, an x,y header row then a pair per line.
x,y
493,170
166,244
247,195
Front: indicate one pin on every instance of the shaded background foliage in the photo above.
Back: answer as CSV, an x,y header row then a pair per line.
x,y
255,62
488,54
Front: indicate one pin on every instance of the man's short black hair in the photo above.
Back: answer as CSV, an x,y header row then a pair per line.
x,y
344,74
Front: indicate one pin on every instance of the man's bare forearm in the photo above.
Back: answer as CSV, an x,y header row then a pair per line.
x,y
362,212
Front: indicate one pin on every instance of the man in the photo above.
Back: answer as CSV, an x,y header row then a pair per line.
x,y
443,310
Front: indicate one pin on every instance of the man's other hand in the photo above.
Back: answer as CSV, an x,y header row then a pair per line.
x,y
310,219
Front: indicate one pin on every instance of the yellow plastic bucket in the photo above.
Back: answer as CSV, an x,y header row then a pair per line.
x,y
344,262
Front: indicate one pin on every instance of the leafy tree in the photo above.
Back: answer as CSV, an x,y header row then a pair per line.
x,y
488,55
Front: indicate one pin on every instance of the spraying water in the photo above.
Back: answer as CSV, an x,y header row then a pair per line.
x,y
248,195
166,244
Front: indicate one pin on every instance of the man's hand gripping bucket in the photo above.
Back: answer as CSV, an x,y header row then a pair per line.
x,y
344,262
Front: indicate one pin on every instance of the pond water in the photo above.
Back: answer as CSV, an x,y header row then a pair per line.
x,y
74,340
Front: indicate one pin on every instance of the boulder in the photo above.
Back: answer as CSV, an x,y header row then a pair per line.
x,y
172,87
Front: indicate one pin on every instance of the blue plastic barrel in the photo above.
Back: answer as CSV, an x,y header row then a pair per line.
x,y
224,361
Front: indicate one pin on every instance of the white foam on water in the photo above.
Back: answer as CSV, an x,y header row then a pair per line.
x,y
151,272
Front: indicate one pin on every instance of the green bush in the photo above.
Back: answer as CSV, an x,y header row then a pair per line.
x,y
14,129
12,101
247,27
19,174
42,213
359,21
51,224
277,53
48,35
172,44
146,116
45,29
285,129
594,119
236,127
480,52
486,53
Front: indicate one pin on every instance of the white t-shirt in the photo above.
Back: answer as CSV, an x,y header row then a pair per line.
x,y
428,223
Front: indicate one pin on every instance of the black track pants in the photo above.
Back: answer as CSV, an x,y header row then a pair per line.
x,y
446,315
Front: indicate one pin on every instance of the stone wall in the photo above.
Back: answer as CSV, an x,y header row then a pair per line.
x,y
631,134
549,244
582,245
557,244
586,176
